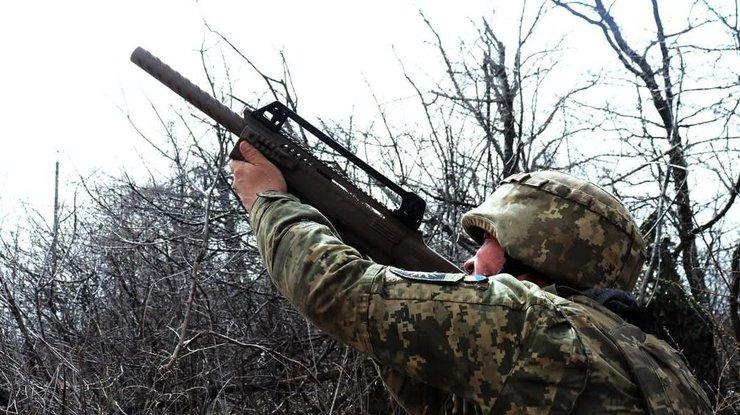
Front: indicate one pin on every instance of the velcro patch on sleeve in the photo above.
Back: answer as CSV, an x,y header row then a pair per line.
x,y
476,278
430,277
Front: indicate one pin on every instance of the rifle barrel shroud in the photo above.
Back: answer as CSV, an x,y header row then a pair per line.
x,y
361,221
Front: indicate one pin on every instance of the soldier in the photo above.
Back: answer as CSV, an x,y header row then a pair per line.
x,y
539,325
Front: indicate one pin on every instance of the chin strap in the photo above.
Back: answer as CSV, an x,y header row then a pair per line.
x,y
515,267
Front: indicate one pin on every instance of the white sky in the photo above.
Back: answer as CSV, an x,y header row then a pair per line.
x,y
66,74
66,70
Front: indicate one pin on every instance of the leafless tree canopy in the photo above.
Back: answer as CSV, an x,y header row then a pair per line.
x,y
147,294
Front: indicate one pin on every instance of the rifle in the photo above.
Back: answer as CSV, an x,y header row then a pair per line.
x,y
388,237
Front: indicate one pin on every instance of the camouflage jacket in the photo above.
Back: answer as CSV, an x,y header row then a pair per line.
x,y
505,345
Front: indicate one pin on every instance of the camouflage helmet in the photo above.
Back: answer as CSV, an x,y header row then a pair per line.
x,y
566,228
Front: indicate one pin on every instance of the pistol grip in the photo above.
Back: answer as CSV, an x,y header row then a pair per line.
x,y
236,154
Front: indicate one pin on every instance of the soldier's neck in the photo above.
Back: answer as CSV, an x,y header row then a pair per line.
x,y
540,280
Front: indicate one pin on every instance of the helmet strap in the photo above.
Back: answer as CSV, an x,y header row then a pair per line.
x,y
516,268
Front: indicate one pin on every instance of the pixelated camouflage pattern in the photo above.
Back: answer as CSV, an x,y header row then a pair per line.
x,y
500,345
661,375
565,227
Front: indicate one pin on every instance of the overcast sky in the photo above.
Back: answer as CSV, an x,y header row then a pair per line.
x,y
67,80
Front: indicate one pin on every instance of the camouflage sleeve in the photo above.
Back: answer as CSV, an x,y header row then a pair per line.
x,y
326,280
455,333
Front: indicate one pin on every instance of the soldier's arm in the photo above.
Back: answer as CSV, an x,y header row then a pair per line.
x,y
326,280
464,338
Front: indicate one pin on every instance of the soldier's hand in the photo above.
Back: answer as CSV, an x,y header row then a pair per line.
x,y
255,174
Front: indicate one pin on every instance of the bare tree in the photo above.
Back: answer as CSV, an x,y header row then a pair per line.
x,y
146,294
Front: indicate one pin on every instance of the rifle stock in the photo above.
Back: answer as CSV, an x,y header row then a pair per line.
x,y
361,221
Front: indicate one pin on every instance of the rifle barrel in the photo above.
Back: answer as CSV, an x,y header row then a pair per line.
x,y
186,89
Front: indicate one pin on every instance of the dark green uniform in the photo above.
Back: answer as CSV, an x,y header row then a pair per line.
x,y
505,345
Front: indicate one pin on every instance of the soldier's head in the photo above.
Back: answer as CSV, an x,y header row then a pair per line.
x,y
556,228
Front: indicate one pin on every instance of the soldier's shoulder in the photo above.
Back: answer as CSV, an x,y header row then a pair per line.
x,y
633,360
